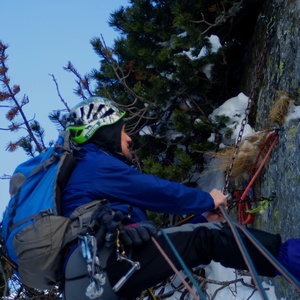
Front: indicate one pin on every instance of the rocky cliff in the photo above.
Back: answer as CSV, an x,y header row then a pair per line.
x,y
274,66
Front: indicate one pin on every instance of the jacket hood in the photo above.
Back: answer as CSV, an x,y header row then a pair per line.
x,y
108,138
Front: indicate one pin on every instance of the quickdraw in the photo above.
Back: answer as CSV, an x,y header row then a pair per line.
x,y
88,245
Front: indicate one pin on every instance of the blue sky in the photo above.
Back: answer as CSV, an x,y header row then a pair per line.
x,y
42,37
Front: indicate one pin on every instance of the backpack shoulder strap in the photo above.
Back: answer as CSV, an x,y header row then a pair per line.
x,y
45,164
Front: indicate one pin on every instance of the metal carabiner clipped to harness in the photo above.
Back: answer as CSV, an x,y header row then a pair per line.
x,y
121,256
135,266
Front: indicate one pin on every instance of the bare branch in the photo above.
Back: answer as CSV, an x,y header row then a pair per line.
x,y
82,82
223,16
12,92
58,92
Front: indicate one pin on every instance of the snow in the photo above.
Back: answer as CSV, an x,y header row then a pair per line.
x,y
294,113
215,45
235,291
234,108
212,177
146,130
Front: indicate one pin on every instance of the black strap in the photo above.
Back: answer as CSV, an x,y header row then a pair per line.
x,y
42,213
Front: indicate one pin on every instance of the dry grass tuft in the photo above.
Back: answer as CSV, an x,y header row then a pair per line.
x,y
280,108
244,161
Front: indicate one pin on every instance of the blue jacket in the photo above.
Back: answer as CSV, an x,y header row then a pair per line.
x,y
99,175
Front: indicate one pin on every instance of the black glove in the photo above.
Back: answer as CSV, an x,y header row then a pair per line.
x,y
105,224
136,234
98,214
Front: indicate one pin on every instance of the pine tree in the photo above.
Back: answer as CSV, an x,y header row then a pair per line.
x,y
153,70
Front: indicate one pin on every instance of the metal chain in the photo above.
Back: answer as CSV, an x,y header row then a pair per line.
x,y
248,108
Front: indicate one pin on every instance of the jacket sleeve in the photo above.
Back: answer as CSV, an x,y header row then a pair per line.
x,y
115,179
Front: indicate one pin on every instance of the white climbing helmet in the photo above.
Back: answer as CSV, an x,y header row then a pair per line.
x,y
89,115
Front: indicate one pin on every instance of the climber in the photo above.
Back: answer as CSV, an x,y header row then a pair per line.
x,y
104,171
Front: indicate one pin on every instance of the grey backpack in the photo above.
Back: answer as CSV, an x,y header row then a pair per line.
x,y
34,232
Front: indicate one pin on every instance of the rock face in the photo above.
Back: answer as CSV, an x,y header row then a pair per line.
x,y
277,32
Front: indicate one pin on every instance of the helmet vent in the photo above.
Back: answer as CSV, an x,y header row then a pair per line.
x,y
108,113
90,110
79,132
100,108
82,111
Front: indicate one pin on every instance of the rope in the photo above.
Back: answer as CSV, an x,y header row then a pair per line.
x,y
238,239
228,174
185,220
260,167
151,294
245,255
285,273
183,265
271,135
256,175
174,268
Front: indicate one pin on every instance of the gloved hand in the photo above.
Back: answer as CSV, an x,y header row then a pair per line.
x,y
97,216
136,234
105,224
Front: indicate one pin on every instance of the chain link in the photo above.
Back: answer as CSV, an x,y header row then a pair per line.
x,y
248,108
